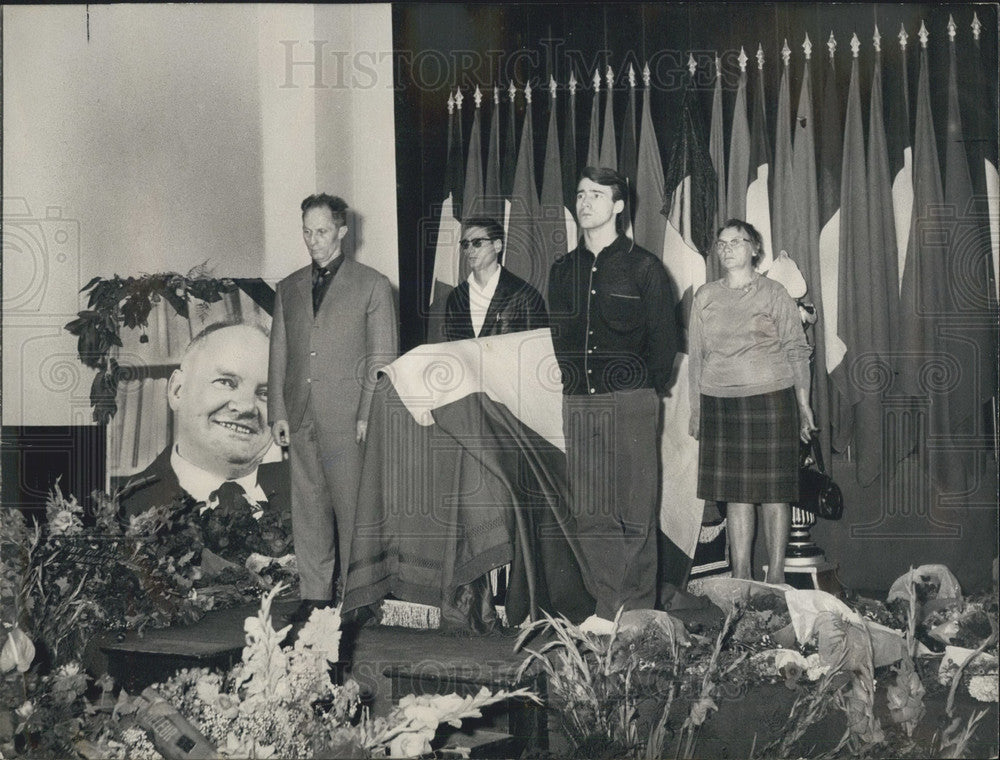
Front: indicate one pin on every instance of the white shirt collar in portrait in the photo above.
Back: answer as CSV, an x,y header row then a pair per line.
x,y
201,483
480,298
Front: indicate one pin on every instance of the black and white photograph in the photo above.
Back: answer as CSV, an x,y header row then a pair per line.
x,y
499,380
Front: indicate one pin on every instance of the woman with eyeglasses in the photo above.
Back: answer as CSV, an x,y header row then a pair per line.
x,y
749,371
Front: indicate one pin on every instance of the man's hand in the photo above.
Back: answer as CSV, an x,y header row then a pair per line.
x,y
694,426
280,433
362,431
808,425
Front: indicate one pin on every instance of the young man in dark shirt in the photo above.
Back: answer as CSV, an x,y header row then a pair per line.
x,y
611,311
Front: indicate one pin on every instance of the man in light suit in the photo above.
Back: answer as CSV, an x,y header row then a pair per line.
x,y
493,300
334,327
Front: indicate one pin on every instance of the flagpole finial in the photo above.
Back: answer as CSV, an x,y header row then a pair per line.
x,y
760,56
458,98
855,45
597,81
645,74
786,53
477,96
572,83
877,40
743,59
718,66
631,76
923,34
951,27
692,66
903,36
976,26
552,86
807,47
496,95
610,77
512,91
527,92
451,102
831,44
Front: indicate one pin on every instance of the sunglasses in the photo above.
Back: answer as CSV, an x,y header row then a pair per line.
x,y
476,243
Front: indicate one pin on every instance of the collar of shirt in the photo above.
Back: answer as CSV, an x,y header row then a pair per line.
x,y
620,243
480,298
200,483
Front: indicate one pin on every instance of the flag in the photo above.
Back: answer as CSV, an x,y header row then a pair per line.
x,y
758,205
594,139
716,147
628,158
871,366
473,200
899,141
690,212
558,226
508,160
831,125
493,198
446,251
806,242
649,198
461,466
609,154
739,149
783,212
969,259
569,152
853,276
925,295
525,254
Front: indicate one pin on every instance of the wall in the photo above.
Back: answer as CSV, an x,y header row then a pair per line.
x,y
151,138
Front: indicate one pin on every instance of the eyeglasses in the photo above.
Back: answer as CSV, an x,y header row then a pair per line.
x,y
728,245
476,243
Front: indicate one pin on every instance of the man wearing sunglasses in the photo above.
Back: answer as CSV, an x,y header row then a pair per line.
x,y
493,300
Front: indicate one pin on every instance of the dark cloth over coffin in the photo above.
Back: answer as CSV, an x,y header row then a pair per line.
x,y
457,481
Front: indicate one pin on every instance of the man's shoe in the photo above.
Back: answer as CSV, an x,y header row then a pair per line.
x,y
301,613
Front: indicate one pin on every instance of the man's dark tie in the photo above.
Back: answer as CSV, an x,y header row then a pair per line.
x,y
321,277
230,495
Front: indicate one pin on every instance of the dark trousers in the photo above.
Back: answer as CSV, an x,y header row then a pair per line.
x,y
613,478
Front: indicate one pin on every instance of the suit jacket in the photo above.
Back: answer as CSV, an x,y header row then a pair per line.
x,y
516,306
157,485
333,356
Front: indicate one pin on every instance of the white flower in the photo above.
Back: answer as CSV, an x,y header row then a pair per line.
x,y
815,668
26,710
985,688
65,523
17,652
411,744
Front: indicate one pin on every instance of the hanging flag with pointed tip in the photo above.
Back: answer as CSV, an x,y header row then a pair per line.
x,y
739,149
509,159
493,197
557,225
594,138
690,211
609,153
473,199
983,149
569,153
628,157
784,200
758,204
649,197
716,148
525,254
899,142
446,250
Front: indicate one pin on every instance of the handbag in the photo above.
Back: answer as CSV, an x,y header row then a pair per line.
x,y
818,493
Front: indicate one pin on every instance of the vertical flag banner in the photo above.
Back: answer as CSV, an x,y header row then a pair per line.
x,y
649,197
925,296
717,149
739,149
628,157
899,140
854,297
983,148
569,153
525,254
594,138
509,157
690,210
609,153
806,243
557,225
880,287
758,204
493,199
783,209
473,201
831,125
446,251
